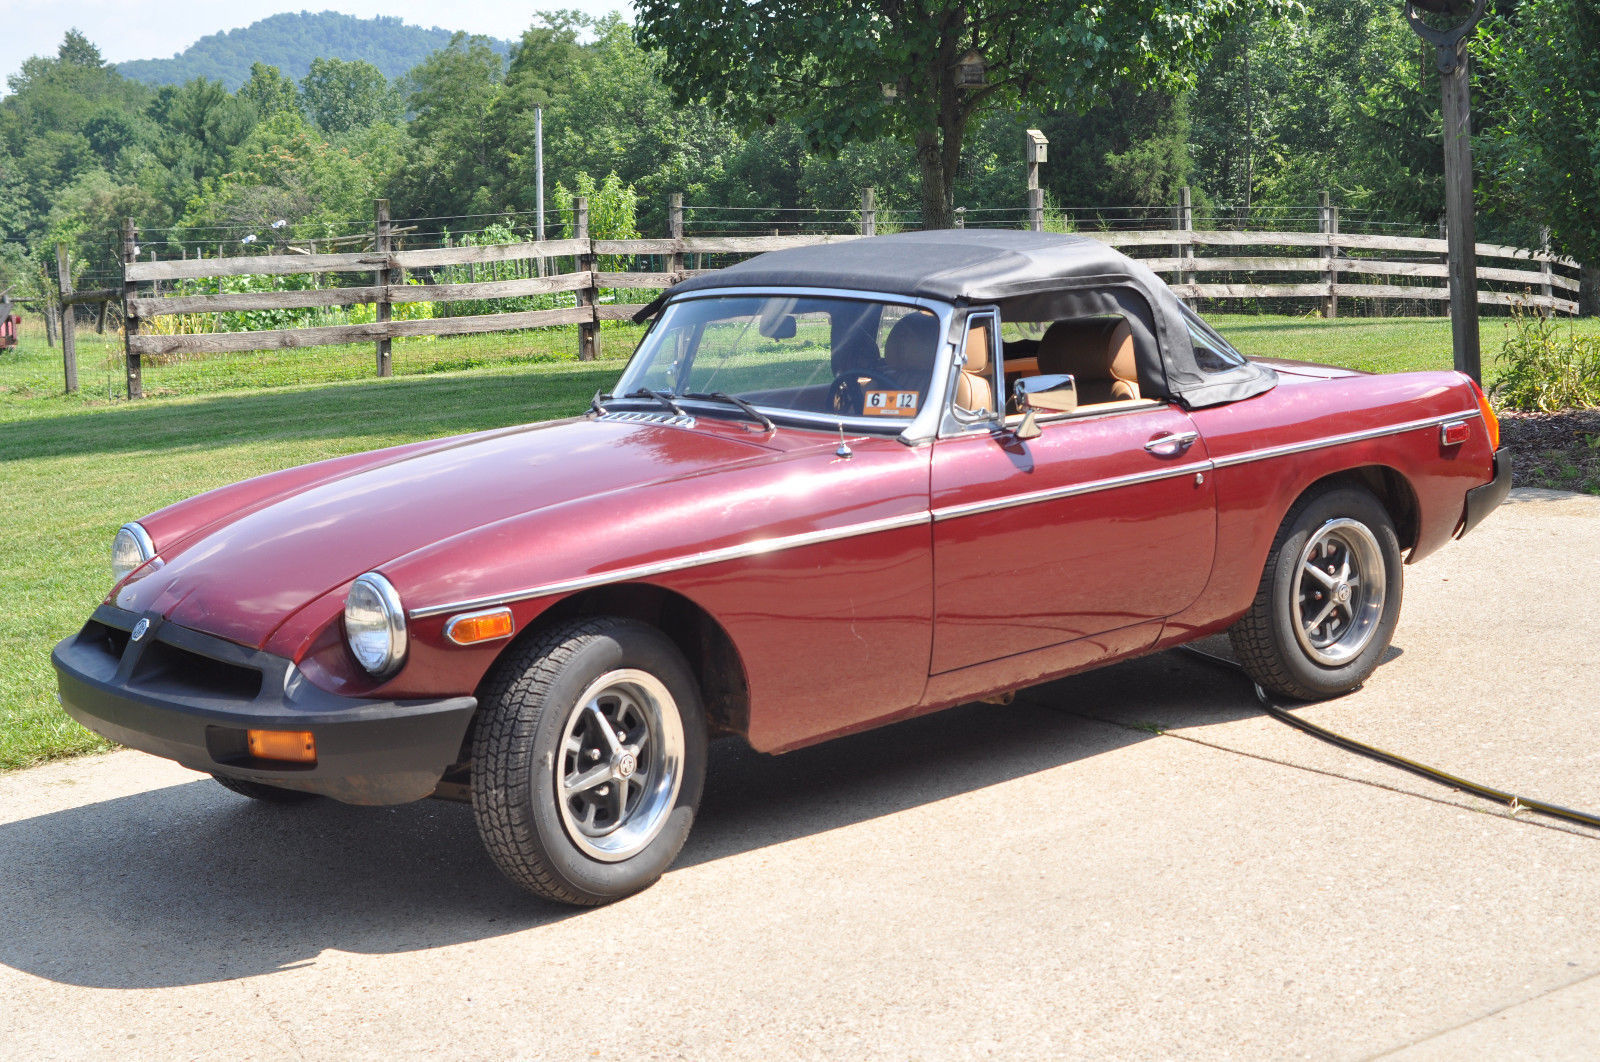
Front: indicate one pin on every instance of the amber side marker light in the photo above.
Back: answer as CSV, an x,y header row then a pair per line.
x,y
1490,421
470,628
289,746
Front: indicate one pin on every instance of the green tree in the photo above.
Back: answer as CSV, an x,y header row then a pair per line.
x,y
454,157
268,92
342,95
851,70
1544,147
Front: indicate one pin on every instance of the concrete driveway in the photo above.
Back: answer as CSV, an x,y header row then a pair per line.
x,y
1134,864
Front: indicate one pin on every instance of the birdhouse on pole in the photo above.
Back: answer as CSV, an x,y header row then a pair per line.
x,y
1036,151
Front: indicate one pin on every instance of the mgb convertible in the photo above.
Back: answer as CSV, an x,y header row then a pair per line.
x,y
835,487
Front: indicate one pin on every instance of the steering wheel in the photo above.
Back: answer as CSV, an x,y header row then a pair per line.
x,y
848,395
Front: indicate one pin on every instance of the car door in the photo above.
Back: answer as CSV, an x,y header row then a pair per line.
x,y
1105,520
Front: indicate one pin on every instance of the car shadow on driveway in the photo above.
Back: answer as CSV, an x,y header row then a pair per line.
x,y
190,884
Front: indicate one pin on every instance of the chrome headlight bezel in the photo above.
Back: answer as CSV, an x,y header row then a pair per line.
x,y
130,547
375,625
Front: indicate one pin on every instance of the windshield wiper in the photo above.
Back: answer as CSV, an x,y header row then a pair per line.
x,y
660,396
722,396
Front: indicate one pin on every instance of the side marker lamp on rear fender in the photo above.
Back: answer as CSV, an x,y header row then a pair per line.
x,y
470,628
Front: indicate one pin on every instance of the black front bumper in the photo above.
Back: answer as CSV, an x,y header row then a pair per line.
x,y
190,697
1481,501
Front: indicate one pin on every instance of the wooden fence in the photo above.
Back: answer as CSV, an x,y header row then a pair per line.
x,y
1326,265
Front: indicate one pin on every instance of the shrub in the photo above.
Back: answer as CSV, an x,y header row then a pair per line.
x,y
1544,371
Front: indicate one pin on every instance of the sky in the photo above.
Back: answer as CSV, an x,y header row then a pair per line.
x,y
125,30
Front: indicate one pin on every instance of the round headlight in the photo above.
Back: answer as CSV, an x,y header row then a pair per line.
x,y
375,625
130,548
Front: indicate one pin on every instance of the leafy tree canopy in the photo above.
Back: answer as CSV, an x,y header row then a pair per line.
x,y
1544,147
342,95
851,70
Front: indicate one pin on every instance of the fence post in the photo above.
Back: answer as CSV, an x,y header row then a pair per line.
x,y
869,212
1186,248
381,219
1546,289
1328,225
1036,151
675,230
588,295
69,338
130,323
50,318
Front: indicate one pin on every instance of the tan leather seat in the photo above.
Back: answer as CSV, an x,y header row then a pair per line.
x,y
1097,353
975,381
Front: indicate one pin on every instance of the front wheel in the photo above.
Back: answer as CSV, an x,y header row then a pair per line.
x,y
588,760
1329,598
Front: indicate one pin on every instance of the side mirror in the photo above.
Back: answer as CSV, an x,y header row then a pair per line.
x,y
1052,394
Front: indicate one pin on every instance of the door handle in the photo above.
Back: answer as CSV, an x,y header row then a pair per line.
x,y
1171,444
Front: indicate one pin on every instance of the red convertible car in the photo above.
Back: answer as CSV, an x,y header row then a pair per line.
x,y
835,487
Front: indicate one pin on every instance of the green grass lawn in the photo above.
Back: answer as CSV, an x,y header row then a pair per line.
x,y
73,468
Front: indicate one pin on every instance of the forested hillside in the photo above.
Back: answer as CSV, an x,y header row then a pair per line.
x,y
1340,97
289,42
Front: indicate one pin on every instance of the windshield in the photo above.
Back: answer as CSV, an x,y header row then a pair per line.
x,y
852,358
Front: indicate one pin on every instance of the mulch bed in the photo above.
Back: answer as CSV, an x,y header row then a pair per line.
x,y
1560,451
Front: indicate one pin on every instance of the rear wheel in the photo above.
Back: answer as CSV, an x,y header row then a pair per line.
x,y
267,794
1329,598
588,760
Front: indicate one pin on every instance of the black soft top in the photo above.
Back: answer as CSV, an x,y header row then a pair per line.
x,y
1031,276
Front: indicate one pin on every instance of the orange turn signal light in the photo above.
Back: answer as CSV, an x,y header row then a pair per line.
x,y
470,628
290,746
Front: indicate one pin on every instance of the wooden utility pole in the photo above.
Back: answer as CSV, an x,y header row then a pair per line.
x,y
588,330
130,323
1455,62
69,333
382,244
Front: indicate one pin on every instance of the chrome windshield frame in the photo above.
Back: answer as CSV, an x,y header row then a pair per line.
x,y
924,426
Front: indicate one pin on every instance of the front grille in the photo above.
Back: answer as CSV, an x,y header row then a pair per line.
x,y
184,672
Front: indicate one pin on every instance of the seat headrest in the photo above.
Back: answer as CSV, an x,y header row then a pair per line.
x,y
856,352
913,342
1100,348
977,351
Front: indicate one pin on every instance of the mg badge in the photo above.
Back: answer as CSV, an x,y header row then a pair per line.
x,y
139,629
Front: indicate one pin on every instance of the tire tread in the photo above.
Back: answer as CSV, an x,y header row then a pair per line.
x,y
502,754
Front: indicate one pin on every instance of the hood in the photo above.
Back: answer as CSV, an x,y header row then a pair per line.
x,y
243,576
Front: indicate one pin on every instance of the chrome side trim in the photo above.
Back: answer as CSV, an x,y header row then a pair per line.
x,y
953,512
692,560
1285,450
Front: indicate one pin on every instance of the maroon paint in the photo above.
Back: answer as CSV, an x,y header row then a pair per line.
x,y
833,636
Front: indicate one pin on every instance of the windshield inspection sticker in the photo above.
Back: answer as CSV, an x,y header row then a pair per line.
x,y
891,403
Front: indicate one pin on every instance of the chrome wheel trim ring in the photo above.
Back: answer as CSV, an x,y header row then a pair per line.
x,y
1337,596
619,765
